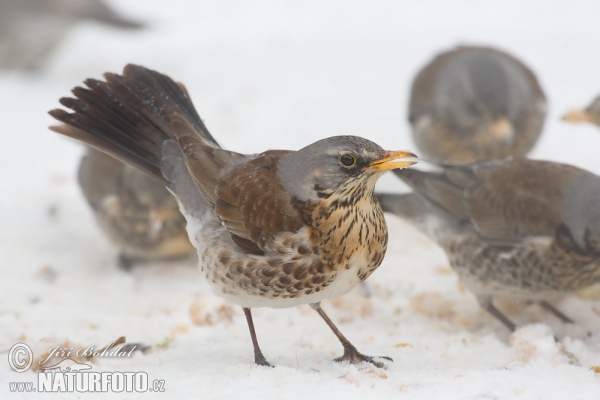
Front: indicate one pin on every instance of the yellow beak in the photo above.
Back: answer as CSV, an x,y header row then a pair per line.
x,y
393,160
578,116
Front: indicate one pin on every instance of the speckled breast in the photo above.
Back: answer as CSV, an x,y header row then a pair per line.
x,y
326,259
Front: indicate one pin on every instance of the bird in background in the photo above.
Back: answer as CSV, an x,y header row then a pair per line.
x,y
137,213
275,229
473,104
591,114
30,30
512,228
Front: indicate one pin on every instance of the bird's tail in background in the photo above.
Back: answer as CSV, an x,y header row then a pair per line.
x,y
129,116
414,209
407,206
101,12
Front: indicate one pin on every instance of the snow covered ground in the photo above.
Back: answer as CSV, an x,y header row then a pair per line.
x,y
282,74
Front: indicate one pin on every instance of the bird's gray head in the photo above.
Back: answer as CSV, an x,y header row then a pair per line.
x,y
337,163
485,89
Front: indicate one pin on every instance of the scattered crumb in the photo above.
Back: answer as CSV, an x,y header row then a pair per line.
x,y
203,314
179,329
535,341
378,373
403,345
46,273
445,270
526,351
433,305
463,320
354,306
353,376
595,368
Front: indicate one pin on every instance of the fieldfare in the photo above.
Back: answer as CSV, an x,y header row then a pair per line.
x,y
31,29
275,229
473,104
513,228
137,213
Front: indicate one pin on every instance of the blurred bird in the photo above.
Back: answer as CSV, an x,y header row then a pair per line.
x,y
31,29
473,104
275,229
513,228
138,214
590,114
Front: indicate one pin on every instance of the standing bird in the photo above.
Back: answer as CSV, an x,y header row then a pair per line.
x,y
31,29
137,213
590,114
513,228
275,229
473,104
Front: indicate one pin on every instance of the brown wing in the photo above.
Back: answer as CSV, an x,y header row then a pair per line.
x,y
505,201
518,198
244,191
252,202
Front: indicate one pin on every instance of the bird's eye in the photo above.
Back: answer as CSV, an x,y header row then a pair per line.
x,y
347,160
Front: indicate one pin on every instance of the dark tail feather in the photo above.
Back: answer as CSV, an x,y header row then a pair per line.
x,y
129,116
407,206
100,11
417,211
170,91
109,17
442,189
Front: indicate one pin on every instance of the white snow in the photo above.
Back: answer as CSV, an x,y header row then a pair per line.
x,y
283,74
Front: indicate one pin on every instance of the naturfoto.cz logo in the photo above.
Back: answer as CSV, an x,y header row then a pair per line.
x,y
70,376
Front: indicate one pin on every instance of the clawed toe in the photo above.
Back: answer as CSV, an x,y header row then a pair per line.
x,y
125,262
261,360
354,357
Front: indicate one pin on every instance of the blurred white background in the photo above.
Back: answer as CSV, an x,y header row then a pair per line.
x,y
282,74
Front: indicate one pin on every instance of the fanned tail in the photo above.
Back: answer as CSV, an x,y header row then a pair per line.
x,y
129,116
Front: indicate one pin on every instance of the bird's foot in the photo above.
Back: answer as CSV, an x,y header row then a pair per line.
x,y
354,357
259,359
125,262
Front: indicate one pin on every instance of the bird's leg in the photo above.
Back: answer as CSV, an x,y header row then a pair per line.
x,y
556,312
350,353
125,262
259,358
489,306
